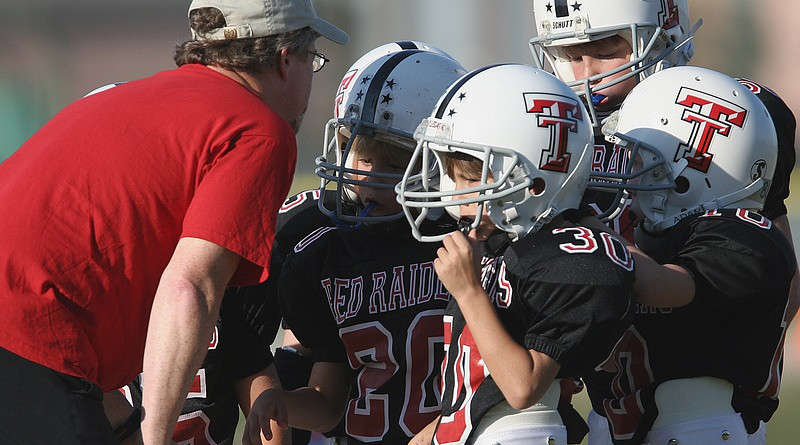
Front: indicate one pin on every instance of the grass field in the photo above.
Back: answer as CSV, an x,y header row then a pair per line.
x,y
784,428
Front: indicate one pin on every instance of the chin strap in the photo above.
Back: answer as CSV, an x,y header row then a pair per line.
x,y
624,196
348,227
719,203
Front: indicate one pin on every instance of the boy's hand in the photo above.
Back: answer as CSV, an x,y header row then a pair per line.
x,y
268,406
458,264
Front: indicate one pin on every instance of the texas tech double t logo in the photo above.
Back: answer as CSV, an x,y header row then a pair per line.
x,y
561,114
710,116
343,87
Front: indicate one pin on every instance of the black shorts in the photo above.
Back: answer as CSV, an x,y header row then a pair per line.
x,y
41,406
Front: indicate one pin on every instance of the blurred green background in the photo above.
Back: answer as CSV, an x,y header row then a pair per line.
x,y
55,52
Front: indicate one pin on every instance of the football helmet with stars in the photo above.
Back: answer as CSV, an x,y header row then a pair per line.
x,y
658,32
533,135
384,95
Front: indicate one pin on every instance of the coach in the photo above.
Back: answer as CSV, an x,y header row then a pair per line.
x,y
156,195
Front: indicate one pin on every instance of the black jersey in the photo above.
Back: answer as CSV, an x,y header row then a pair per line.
x,y
239,347
297,217
564,292
733,329
370,299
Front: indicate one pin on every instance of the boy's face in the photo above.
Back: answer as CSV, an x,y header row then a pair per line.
x,y
464,180
592,58
384,159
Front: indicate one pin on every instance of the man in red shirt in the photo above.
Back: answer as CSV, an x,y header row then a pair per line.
x,y
147,199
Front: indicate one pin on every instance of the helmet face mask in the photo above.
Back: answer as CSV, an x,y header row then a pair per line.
x,y
504,179
699,141
657,31
535,139
383,96
646,171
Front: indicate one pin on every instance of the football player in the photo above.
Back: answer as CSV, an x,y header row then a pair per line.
x,y
536,299
361,294
702,361
312,209
603,49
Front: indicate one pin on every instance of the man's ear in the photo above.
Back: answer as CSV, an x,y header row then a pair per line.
x,y
283,63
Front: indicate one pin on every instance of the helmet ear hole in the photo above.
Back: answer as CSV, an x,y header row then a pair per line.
x,y
682,185
538,187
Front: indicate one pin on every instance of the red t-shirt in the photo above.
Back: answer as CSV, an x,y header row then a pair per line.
x,y
93,205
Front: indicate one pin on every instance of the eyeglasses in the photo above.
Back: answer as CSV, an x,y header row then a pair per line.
x,y
319,60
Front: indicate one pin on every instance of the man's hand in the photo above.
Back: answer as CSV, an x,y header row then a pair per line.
x,y
118,410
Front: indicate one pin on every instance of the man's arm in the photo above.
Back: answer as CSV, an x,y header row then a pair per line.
x,y
185,309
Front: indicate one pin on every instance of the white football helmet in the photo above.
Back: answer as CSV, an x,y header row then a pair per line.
x,y
657,30
385,94
393,47
699,141
526,126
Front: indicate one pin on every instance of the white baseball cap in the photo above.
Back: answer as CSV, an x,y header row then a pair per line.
x,y
261,18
